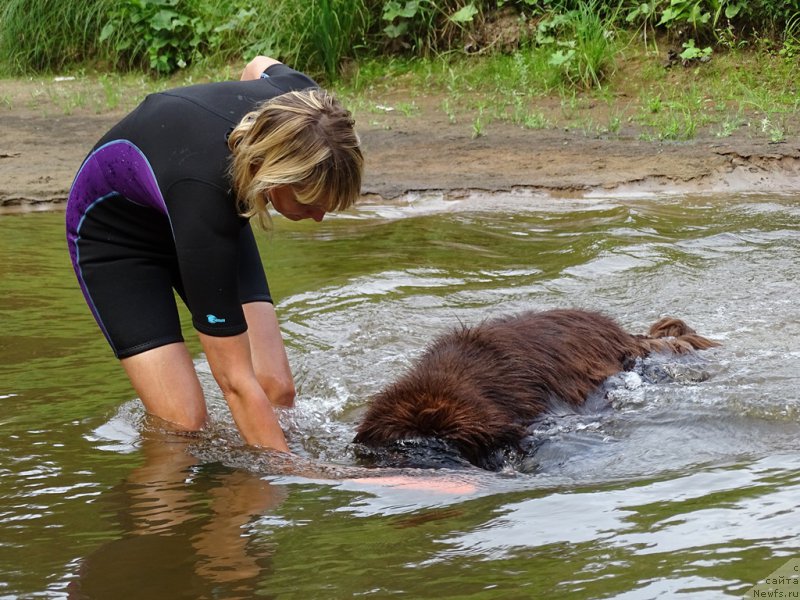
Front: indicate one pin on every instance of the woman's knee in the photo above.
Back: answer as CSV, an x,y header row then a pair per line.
x,y
194,417
167,384
279,390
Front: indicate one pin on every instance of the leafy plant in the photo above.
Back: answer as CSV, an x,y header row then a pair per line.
x,y
681,12
318,36
728,126
692,52
478,124
775,131
791,38
644,13
426,25
655,104
701,14
168,34
449,111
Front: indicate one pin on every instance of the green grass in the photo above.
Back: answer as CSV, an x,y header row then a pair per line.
x,y
587,45
334,25
46,35
737,89
738,92
582,67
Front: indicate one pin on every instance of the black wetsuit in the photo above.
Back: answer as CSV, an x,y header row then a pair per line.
x,y
151,210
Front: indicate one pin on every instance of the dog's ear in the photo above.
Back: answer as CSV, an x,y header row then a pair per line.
x,y
379,429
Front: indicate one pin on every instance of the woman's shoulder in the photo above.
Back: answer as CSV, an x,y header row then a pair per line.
x,y
287,78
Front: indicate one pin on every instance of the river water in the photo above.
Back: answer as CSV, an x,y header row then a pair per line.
x,y
689,488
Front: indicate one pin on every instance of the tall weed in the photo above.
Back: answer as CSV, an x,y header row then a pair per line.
x,y
583,43
335,28
47,35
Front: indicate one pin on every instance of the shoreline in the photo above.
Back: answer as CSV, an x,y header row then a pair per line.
x,y
427,156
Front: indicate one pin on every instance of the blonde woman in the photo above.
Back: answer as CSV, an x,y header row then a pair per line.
x,y
162,202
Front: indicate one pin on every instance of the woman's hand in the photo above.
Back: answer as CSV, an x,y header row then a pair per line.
x,y
256,67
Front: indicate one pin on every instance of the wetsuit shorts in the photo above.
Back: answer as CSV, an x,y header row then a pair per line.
x,y
128,268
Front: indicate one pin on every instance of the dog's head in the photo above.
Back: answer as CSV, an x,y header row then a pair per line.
x,y
416,453
428,453
442,423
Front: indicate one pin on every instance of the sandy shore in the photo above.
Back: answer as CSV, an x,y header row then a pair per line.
x,y
425,153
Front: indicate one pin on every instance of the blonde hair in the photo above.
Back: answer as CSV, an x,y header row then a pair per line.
x,y
304,139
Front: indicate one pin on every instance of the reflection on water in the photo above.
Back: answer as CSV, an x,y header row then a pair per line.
x,y
689,487
180,523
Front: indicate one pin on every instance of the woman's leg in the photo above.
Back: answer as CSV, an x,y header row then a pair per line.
x,y
165,379
270,363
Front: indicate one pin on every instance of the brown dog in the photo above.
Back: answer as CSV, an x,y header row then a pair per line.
x,y
478,388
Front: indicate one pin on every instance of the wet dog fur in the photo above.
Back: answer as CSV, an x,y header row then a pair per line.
x,y
477,389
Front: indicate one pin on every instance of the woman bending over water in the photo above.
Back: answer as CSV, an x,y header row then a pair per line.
x,y
163,202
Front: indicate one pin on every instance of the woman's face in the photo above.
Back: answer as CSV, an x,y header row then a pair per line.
x,y
284,201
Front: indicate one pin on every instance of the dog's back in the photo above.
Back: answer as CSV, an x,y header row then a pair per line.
x,y
479,388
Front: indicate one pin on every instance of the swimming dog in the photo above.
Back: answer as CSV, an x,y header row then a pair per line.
x,y
477,389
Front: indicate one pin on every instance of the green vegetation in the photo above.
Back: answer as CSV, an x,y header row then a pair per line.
x,y
163,36
37,36
323,36
738,89
653,69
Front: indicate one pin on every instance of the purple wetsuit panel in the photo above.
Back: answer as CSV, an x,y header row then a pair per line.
x,y
116,168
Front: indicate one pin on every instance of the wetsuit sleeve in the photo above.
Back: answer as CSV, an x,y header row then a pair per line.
x,y
287,79
207,230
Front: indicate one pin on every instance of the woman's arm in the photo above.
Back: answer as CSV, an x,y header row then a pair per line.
x,y
256,67
232,367
207,231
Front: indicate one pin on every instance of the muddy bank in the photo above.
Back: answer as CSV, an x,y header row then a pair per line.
x,y
437,156
39,154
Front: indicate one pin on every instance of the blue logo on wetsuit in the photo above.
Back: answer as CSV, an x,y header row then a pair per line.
x,y
213,319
